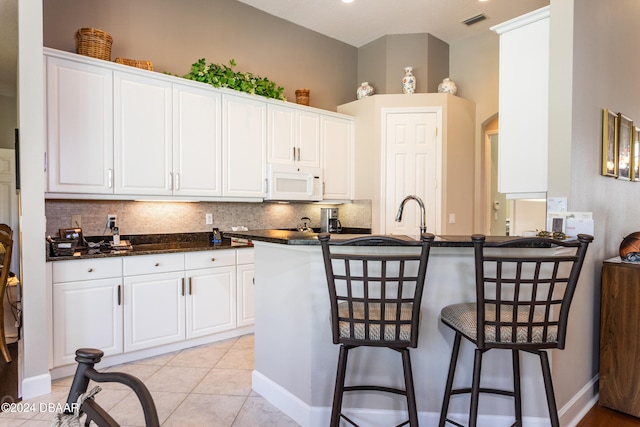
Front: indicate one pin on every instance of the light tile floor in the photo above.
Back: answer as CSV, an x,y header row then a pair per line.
x,y
208,385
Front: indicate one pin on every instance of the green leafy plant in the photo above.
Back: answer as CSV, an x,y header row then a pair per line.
x,y
218,75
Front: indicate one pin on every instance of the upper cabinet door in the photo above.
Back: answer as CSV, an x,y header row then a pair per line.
x,y
142,135
197,134
524,105
308,136
79,127
337,158
294,136
244,136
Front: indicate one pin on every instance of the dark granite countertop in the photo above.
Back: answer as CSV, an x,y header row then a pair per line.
x,y
145,244
288,237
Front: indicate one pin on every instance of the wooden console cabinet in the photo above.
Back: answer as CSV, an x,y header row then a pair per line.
x,y
620,337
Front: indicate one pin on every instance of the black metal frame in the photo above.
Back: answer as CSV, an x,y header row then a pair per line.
x,y
87,358
375,302
506,294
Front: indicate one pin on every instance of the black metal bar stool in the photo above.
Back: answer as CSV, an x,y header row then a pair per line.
x,y
375,301
80,401
522,304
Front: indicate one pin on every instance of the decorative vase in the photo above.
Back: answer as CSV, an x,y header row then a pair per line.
x,y
448,86
364,90
302,96
408,81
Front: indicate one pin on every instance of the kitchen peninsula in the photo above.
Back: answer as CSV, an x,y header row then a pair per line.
x,y
295,360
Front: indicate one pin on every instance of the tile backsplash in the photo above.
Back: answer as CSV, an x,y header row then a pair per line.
x,y
183,217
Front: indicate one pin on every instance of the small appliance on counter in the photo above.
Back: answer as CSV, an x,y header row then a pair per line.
x,y
329,222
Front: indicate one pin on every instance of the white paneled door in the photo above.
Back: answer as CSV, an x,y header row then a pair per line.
x,y
412,157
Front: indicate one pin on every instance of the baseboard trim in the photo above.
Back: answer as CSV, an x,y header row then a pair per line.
x,y
578,406
36,386
309,416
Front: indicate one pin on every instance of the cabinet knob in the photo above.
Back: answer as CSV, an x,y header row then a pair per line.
x,y
157,264
213,259
90,270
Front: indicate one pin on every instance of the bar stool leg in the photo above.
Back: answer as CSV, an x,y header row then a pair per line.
x,y
548,386
475,387
449,386
410,391
339,388
517,394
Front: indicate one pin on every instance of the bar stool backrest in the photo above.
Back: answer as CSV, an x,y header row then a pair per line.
x,y
375,289
532,292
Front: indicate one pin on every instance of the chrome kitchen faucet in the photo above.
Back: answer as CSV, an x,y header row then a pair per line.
x,y
423,219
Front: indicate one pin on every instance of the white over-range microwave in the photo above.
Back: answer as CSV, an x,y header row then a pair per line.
x,y
290,182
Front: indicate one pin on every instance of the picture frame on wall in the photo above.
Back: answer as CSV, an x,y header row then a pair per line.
x,y
635,158
609,143
625,145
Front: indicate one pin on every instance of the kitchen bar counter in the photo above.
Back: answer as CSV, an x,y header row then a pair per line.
x,y
290,237
295,359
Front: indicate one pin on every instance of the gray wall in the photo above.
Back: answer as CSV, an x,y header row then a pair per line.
x,y
8,121
175,34
382,62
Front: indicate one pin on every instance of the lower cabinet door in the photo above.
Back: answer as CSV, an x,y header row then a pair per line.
x,y
153,310
86,314
211,304
246,299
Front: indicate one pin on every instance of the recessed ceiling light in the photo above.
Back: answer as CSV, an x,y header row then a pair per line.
x,y
347,1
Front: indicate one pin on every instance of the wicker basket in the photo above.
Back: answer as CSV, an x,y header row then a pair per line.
x,y
145,65
63,247
94,43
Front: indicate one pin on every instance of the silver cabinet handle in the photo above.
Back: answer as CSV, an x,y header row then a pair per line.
x,y
294,154
190,285
177,181
298,153
183,286
110,178
119,294
90,270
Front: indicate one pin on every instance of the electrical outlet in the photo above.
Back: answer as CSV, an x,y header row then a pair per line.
x,y
112,221
452,218
76,221
208,218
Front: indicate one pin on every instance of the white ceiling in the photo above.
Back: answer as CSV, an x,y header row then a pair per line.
x,y
363,21
356,23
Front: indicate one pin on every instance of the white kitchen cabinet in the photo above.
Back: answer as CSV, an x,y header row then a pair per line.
x,y
337,158
244,136
154,300
87,307
142,135
197,143
524,105
294,136
210,302
79,127
420,144
246,284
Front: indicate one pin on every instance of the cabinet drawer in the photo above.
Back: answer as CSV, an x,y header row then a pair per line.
x,y
86,269
245,256
148,264
208,259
